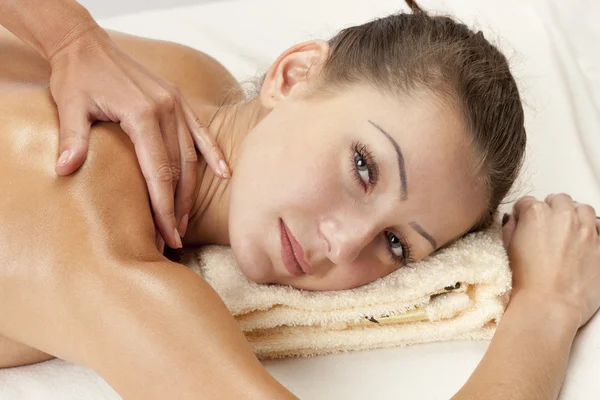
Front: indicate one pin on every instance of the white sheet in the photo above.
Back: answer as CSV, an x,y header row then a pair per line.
x,y
553,49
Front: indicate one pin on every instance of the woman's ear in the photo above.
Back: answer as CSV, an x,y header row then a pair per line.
x,y
293,71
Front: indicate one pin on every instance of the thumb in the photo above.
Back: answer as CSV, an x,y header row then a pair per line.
x,y
508,229
74,138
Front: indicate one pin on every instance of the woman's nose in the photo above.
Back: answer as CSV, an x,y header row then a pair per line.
x,y
345,240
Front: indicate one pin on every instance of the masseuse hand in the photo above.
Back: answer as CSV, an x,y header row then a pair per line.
x,y
554,251
93,80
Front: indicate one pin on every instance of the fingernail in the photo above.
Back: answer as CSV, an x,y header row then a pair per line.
x,y
224,169
183,225
177,239
64,157
505,218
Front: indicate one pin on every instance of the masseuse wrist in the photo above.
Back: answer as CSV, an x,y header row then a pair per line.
x,y
69,41
88,43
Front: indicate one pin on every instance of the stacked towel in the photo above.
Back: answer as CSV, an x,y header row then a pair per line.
x,y
458,293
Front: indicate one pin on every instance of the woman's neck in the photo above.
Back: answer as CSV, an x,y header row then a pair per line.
x,y
229,124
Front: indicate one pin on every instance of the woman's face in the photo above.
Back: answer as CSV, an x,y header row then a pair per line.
x,y
360,182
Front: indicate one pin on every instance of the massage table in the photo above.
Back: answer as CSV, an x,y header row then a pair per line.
x,y
553,49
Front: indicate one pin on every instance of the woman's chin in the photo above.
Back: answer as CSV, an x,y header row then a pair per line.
x,y
259,278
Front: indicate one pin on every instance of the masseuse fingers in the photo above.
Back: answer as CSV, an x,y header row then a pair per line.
x,y
169,128
74,136
152,156
159,241
184,193
205,142
162,101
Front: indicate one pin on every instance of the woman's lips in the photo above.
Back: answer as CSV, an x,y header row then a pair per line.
x,y
292,253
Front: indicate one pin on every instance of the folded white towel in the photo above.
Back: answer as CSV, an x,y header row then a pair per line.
x,y
459,293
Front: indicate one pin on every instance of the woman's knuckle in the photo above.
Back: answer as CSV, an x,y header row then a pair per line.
x,y
570,219
588,233
535,209
589,209
525,202
565,196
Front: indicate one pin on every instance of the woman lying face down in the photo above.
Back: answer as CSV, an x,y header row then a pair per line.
x,y
363,153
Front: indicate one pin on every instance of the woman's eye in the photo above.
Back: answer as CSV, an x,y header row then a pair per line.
x,y
362,167
395,245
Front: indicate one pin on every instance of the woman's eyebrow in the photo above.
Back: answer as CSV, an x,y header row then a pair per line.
x,y
401,169
403,185
422,232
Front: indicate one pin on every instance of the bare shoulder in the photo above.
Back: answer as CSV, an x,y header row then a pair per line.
x,y
198,75
101,212
195,73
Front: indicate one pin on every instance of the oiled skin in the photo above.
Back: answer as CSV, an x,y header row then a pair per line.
x,y
80,276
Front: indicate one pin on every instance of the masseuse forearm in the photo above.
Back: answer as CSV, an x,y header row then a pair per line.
x,y
46,25
528,355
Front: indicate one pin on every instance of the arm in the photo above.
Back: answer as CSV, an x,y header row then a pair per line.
x,y
151,329
46,27
527,358
151,110
554,252
14,354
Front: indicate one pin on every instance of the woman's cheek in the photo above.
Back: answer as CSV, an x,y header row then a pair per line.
x,y
354,275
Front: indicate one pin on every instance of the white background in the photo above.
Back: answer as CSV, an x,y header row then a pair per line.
x,y
110,8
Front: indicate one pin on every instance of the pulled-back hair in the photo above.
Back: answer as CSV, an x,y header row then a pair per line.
x,y
405,52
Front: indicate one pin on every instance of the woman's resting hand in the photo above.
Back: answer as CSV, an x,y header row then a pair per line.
x,y
92,79
554,251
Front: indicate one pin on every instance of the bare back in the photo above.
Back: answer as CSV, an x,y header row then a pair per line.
x,y
103,210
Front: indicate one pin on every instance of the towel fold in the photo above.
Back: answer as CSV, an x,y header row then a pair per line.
x,y
458,293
